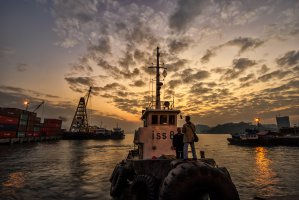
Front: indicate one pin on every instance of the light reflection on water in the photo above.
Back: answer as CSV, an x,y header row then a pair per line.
x,y
81,169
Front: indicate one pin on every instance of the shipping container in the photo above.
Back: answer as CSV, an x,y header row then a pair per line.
x,y
20,134
54,121
7,134
23,122
24,117
8,127
8,120
36,134
29,134
11,112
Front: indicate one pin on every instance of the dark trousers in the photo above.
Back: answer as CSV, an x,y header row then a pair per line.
x,y
179,153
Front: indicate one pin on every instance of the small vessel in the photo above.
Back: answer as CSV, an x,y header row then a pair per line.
x,y
117,133
151,170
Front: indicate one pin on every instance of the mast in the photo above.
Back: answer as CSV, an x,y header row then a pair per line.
x,y
158,83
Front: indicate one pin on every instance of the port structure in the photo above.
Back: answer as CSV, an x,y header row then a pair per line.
x,y
80,120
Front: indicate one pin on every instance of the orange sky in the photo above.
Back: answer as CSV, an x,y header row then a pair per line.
x,y
228,61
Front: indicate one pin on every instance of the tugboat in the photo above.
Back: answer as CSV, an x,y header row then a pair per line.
x,y
152,172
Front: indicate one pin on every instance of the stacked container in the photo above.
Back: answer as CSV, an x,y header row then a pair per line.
x,y
9,120
52,127
37,127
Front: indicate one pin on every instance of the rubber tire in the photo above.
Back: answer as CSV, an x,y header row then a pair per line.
x,y
119,182
144,188
194,180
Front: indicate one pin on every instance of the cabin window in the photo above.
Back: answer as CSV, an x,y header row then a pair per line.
x,y
163,119
171,119
154,119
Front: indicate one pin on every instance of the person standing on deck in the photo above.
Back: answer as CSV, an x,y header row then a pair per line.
x,y
189,130
178,143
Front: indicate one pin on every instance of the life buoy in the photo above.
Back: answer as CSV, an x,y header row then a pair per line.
x,y
196,180
119,181
144,188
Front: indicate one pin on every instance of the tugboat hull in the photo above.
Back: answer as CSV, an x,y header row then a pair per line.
x,y
169,179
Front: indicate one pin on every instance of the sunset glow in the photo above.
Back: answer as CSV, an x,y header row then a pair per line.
x,y
227,61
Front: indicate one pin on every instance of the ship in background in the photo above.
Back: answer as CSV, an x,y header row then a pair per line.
x,y
286,135
80,128
18,126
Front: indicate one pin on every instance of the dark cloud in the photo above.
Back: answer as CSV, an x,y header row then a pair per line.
x,y
176,65
188,75
209,53
199,89
80,84
246,78
174,83
113,87
178,45
103,46
244,43
278,74
138,83
238,67
185,13
22,67
289,59
264,69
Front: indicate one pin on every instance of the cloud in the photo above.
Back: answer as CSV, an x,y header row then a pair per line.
x,y
138,83
244,44
289,59
22,67
6,51
178,45
246,78
209,53
185,13
278,74
264,69
199,89
103,46
80,84
238,67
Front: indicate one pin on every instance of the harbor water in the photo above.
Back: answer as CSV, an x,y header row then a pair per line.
x,y
81,169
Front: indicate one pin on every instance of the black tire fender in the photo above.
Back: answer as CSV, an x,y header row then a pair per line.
x,y
144,188
195,181
119,181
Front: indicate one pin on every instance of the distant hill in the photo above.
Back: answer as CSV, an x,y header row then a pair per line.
x,y
202,128
232,128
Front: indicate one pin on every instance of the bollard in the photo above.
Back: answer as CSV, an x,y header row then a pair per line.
x,y
202,154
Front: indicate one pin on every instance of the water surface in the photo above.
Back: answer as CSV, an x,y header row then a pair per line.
x,y
81,169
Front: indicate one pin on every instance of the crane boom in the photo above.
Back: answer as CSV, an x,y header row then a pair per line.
x,y
39,105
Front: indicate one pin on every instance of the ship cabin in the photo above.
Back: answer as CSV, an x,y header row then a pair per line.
x,y
154,139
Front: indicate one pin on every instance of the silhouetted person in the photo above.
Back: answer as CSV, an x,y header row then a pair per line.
x,y
178,144
189,130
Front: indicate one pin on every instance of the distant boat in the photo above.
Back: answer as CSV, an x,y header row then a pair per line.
x,y
117,133
264,138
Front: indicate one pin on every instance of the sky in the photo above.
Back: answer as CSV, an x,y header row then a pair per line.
x,y
227,60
